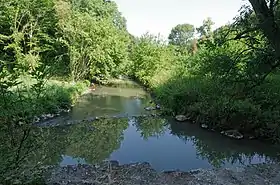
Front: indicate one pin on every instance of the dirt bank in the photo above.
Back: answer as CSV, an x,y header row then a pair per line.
x,y
142,173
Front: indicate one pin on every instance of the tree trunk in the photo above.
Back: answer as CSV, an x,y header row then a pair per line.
x,y
267,24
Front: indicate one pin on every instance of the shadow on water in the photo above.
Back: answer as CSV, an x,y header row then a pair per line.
x,y
221,151
165,144
27,149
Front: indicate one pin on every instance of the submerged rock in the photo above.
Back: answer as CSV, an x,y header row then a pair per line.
x,y
233,134
181,118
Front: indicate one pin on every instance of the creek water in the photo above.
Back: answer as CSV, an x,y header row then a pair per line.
x,y
163,142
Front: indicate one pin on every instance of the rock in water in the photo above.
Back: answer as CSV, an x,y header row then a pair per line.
x,y
204,126
149,108
181,118
233,134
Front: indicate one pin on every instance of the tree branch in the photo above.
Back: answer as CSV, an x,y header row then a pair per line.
x,y
241,35
271,6
267,23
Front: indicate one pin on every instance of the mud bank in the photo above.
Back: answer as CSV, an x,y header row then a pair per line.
x,y
142,173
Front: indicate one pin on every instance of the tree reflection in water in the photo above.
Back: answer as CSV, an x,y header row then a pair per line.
x,y
96,141
153,127
218,150
24,149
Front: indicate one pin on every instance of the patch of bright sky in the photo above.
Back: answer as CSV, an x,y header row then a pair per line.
x,y
160,16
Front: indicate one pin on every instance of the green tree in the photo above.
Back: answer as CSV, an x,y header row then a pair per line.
x,y
96,35
267,13
205,30
181,35
150,56
27,33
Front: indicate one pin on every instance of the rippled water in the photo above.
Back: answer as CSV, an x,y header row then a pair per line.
x,y
164,143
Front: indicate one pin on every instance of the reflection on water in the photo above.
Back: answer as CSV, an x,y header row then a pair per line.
x,y
167,149
109,101
162,142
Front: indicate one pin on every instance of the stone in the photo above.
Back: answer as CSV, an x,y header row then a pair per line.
x,y
154,115
149,108
181,118
36,119
252,137
49,115
204,126
233,134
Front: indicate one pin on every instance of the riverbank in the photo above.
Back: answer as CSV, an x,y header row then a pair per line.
x,y
122,82
144,174
254,113
200,102
32,101
109,124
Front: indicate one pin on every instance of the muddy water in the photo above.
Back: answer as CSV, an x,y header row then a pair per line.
x,y
164,143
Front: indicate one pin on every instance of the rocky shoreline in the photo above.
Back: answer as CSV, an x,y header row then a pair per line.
x,y
111,173
64,120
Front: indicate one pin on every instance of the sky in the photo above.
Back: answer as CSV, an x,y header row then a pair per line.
x,y
160,16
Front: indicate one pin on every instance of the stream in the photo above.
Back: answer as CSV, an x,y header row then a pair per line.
x,y
160,141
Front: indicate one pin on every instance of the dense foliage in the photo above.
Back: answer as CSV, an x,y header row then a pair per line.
x,y
229,82
227,78
70,40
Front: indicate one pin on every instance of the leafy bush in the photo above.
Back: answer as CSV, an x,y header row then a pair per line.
x,y
151,60
224,84
25,103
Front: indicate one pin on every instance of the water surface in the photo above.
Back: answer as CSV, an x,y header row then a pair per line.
x,y
164,143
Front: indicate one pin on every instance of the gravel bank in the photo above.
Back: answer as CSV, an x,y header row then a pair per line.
x,y
143,174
